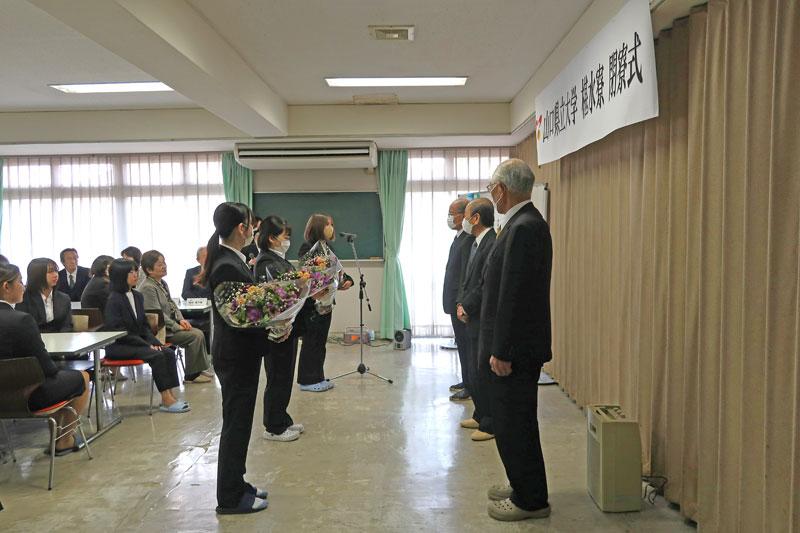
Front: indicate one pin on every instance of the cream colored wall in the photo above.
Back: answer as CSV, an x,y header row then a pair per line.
x,y
345,313
330,180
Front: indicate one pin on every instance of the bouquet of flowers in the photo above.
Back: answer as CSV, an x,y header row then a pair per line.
x,y
272,305
322,269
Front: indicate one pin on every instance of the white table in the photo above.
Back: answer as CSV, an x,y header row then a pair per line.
x,y
76,344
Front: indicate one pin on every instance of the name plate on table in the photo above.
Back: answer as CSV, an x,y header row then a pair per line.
x,y
197,302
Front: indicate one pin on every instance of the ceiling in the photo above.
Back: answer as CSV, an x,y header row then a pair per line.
x,y
293,45
37,50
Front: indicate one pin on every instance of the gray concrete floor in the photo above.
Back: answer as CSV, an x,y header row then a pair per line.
x,y
375,457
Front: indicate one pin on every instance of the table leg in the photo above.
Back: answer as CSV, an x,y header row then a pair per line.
x,y
98,391
210,329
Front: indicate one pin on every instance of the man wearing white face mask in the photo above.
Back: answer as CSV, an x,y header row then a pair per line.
x,y
453,272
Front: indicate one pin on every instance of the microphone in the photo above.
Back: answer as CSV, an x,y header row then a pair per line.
x,y
348,236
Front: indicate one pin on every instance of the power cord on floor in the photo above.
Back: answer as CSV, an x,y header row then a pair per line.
x,y
655,486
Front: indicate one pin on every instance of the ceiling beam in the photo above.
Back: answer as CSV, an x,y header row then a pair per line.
x,y
173,43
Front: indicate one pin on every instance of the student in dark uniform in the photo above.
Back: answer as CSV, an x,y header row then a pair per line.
x,y
279,362
96,292
237,357
20,337
311,368
49,307
125,312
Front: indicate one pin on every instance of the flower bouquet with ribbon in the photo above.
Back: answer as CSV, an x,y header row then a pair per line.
x,y
272,305
323,270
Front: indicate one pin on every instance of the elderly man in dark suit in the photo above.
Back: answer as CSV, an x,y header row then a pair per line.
x,y
515,340
479,222
452,281
72,279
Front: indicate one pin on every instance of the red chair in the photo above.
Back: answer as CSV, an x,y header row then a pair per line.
x,y
108,364
18,379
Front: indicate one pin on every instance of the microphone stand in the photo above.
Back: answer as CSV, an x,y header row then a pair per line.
x,y
362,293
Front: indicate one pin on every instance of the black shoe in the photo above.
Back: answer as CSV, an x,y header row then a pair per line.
x,y
248,504
457,387
460,396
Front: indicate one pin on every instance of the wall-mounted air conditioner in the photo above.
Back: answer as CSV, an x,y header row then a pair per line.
x,y
307,155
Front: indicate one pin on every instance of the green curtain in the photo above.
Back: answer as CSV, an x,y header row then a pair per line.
x,y
237,180
392,174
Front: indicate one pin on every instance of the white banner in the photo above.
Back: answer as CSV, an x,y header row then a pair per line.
x,y
610,84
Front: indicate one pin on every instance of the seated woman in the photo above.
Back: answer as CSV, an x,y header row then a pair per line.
x,y
125,311
179,331
20,337
95,295
51,309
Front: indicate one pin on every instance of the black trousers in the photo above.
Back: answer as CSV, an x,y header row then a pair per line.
x,y
310,367
479,383
513,401
460,333
162,362
279,368
239,381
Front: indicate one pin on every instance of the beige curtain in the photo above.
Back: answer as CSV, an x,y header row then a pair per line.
x,y
676,273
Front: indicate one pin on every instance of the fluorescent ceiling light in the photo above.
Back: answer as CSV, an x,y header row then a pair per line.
x,y
449,81
124,87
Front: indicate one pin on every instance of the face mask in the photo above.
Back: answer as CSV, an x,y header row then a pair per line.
x,y
451,221
285,246
249,240
328,232
467,225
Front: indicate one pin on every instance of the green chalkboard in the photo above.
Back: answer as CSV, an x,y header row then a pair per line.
x,y
353,212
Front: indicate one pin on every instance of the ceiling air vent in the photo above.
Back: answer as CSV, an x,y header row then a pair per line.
x,y
392,33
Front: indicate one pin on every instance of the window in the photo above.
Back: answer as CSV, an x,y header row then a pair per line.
x,y
101,204
435,179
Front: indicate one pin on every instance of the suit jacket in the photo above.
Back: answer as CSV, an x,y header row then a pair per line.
x,y
62,311
82,278
96,293
119,316
156,296
190,290
232,344
270,265
453,271
20,337
515,311
472,285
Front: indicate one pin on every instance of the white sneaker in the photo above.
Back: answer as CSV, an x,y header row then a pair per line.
x,y
297,427
287,436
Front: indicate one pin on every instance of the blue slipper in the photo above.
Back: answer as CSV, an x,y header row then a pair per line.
x,y
177,407
66,451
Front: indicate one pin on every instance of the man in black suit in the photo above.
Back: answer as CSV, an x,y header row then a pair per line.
x,y
479,222
515,340
72,279
452,282
190,288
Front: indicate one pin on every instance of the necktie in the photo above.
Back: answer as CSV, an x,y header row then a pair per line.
x,y
472,251
71,281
